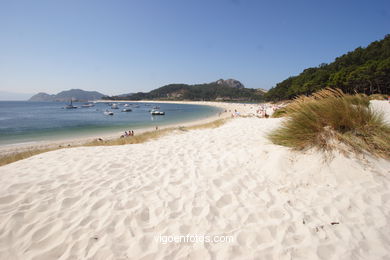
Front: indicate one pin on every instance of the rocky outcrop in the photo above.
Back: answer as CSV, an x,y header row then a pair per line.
x,y
230,83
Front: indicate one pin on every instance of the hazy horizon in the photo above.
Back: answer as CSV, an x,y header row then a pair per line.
x,y
131,46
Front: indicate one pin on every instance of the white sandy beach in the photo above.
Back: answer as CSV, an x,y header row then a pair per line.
x,y
113,202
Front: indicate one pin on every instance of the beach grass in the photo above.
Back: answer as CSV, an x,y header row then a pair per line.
x,y
281,112
378,97
330,119
10,158
141,138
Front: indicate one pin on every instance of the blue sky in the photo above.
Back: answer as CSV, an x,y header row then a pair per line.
x,y
120,46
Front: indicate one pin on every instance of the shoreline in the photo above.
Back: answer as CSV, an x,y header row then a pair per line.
x,y
9,149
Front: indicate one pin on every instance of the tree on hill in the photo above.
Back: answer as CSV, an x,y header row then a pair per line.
x,y
364,70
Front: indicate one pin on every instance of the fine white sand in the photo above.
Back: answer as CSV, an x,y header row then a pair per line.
x,y
112,202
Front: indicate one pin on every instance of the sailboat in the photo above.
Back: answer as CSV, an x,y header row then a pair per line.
x,y
70,106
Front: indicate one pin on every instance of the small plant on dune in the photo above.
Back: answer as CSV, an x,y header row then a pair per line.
x,y
329,118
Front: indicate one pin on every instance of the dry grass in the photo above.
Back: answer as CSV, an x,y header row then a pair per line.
x,y
281,112
147,136
329,118
144,137
10,158
378,97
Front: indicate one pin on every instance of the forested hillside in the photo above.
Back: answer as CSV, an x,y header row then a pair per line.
x,y
364,70
210,91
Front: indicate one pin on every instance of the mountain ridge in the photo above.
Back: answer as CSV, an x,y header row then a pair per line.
x,y
220,90
66,95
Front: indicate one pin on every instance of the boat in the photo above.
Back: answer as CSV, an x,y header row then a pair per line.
x,y
126,105
157,112
87,105
126,110
108,113
70,106
156,107
114,106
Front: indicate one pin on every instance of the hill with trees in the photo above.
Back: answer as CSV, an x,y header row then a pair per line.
x,y
221,90
364,70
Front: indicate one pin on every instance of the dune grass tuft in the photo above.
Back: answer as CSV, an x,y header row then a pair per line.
x,y
329,118
141,138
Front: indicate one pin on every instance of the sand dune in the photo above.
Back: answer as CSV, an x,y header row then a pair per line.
x,y
112,202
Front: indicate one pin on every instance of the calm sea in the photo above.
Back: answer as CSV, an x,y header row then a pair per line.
x,y
22,121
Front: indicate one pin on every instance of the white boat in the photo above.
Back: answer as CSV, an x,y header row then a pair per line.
x,y
87,105
126,105
114,106
108,113
157,112
126,110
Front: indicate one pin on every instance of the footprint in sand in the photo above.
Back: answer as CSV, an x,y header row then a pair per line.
x,y
277,213
68,202
224,201
247,239
8,199
175,204
217,182
144,216
325,252
196,211
265,235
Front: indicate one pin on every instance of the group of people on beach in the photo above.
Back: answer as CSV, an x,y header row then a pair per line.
x,y
262,110
129,133
266,110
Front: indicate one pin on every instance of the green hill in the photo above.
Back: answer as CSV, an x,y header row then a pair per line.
x,y
221,90
364,70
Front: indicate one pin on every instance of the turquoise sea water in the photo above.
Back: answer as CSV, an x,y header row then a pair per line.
x,y
22,121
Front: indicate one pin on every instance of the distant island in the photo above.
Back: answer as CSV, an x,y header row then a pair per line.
x,y
220,90
364,70
65,96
